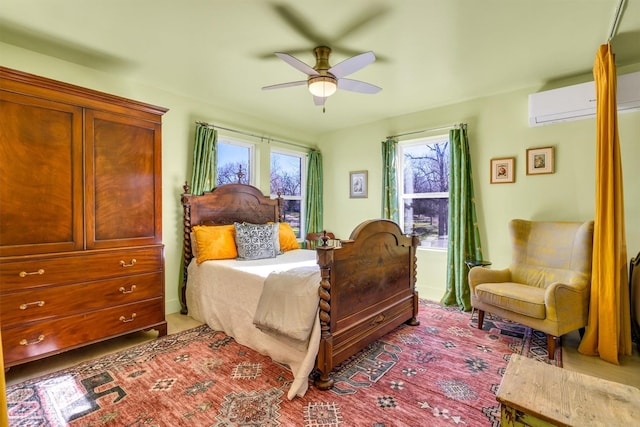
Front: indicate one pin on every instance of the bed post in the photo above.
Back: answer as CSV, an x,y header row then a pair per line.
x,y
186,248
324,361
280,212
414,275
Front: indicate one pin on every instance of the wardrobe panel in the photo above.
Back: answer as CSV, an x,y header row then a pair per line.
x,y
41,179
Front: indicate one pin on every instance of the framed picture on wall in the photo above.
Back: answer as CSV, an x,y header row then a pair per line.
x,y
503,170
539,160
358,184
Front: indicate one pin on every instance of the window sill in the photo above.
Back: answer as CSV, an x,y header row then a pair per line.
x,y
431,249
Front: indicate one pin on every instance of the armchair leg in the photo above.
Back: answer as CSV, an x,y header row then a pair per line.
x,y
551,346
480,318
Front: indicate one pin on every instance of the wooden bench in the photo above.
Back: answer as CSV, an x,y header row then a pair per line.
x,y
533,393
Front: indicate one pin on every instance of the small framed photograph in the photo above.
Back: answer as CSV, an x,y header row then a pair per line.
x,y
358,184
539,160
503,170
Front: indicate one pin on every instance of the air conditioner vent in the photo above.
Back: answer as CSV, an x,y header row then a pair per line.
x,y
579,101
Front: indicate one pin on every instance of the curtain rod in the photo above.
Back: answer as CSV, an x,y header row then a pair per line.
x,y
262,138
427,130
616,20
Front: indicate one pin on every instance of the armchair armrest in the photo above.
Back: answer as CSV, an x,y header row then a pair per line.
x,y
567,301
479,275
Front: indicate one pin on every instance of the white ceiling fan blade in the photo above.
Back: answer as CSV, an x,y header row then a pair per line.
x,y
297,64
358,86
353,64
319,100
282,85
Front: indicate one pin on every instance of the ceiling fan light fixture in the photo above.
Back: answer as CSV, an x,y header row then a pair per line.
x,y
322,86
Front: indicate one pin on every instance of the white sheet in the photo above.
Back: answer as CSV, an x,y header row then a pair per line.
x,y
224,294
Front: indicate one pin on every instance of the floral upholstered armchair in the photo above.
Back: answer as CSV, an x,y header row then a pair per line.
x,y
547,286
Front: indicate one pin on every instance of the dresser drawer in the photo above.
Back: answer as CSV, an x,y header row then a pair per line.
x,y
81,267
369,328
38,339
47,302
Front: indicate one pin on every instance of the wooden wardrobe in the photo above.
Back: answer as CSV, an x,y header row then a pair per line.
x,y
81,254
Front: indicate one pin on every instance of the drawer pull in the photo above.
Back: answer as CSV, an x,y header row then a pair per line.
x,y
130,291
36,341
125,320
30,304
131,264
33,273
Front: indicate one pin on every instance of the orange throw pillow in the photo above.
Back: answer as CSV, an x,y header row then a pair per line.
x,y
288,240
215,242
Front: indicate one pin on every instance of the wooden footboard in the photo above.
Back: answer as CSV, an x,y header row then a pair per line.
x,y
367,289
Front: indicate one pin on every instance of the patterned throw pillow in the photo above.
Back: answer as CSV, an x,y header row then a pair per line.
x,y
256,241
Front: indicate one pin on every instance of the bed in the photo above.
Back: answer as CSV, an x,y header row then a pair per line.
x,y
365,285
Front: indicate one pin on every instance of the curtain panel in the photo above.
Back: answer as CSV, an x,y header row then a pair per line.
x,y
464,236
390,203
608,332
314,207
203,177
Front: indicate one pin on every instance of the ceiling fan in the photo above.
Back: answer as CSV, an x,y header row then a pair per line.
x,y
323,79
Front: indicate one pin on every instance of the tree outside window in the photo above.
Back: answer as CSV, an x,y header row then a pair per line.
x,y
424,190
287,179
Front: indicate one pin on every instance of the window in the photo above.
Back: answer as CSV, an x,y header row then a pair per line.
x,y
287,178
424,189
234,156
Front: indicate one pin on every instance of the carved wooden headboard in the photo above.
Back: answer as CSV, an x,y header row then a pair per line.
x,y
225,204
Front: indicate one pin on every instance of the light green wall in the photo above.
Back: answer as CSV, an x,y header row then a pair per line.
x,y
497,128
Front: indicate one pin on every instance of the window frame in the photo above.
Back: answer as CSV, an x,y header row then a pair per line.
x,y
303,156
252,170
402,196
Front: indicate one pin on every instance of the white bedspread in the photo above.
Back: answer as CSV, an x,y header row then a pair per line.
x,y
225,294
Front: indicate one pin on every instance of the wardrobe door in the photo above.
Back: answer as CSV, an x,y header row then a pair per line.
x,y
41,178
123,180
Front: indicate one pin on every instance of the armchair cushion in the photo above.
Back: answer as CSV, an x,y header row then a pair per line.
x,y
526,300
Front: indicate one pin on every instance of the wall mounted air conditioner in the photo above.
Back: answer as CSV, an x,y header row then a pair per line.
x,y
579,101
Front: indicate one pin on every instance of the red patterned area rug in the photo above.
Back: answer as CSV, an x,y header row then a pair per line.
x,y
444,372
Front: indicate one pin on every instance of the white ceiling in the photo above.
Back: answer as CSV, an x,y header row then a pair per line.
x,y
430,52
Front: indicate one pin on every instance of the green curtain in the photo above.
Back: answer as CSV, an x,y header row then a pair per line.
x,y
203,177
389,180
313,210
464,237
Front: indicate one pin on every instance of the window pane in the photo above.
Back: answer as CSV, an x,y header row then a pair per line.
x,y
286,174
426,168
291,210
428,218
230,158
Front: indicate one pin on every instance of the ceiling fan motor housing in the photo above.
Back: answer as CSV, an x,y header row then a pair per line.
x,y
322,60
324,84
